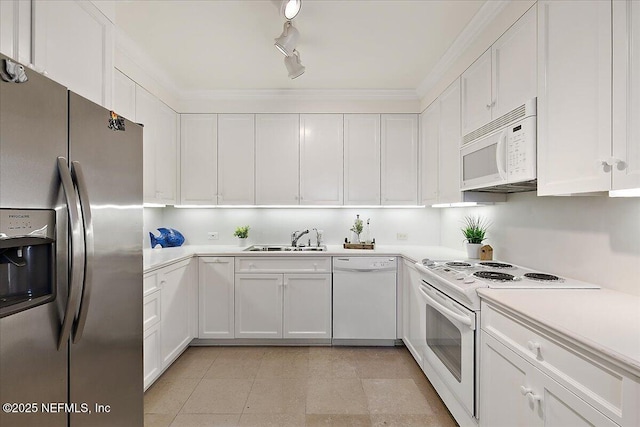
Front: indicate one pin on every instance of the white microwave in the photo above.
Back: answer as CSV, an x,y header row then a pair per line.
x,y
500,157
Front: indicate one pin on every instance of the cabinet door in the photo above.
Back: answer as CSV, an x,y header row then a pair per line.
x,y
151,348
175,305
514,66
574,99
502,374
15,30
198,159
216,297
429,137
476,94
321,159
124,95
414,328
307,306
399,175
277,159
73,43
159,148
362,159
236,159
449,143
626,94
258,305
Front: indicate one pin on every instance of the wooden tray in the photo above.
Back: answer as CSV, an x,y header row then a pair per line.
x,y
358,245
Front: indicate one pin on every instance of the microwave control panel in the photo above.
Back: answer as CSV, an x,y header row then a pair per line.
x,y
521,151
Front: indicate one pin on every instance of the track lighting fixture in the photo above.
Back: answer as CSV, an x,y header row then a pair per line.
x,y
287,41
293,64
290,8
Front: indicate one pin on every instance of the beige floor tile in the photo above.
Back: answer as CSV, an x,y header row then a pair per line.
x,y
286,365
218,396
158,420
320,367
167,396
437,405
206,420
395,396
269,420
336,396
277,396
189,365
204,352
385,369
333,420
245,352
234,367
404,420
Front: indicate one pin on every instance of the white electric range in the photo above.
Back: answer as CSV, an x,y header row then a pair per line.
x,y
447,291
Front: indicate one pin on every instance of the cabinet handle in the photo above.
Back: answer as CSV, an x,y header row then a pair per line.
x,y
533,398
534,347
252,265
488,106
611,161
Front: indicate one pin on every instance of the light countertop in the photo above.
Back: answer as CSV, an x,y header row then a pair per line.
x,y
603,321
157,258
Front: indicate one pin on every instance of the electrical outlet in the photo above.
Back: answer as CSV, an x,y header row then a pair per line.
x,y
213,235
402,236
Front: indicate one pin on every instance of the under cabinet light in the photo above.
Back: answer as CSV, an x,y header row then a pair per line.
x,y
458,205
631,192
153,205
299,206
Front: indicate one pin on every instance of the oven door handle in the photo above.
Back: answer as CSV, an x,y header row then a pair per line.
x,y
447,311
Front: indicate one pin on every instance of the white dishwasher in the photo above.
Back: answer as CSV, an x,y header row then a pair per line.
x,y
364,300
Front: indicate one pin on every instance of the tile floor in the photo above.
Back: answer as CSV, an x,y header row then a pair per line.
x,y
294,386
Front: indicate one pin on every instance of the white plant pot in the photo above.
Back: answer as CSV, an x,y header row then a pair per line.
x,y
473,250
242,242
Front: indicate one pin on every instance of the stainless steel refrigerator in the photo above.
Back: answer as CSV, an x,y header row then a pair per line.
x,y
70,258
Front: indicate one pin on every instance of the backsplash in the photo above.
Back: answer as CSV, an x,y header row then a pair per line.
x,y
594,239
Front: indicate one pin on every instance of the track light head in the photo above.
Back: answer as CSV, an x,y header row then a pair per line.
x,y
293,64
288,40
290,8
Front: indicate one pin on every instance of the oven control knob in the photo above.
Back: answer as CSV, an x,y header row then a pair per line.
x,y
469,279
460,276
428,263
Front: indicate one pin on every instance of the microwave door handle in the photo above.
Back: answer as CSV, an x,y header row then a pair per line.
x,y
447,311
77,251
500,156
85,205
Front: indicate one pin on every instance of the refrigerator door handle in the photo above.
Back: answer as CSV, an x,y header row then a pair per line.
x,y
85,206
77,251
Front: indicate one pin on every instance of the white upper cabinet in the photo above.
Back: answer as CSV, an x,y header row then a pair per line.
x,y
277,159
429,139
626,94
236,159
198,159
73,43
361,159
160,148
449,145
503,78
574,99
399,165
15,30
476,94
124,96
321,159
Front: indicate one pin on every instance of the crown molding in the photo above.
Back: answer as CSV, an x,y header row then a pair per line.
x,y
480,21
301,95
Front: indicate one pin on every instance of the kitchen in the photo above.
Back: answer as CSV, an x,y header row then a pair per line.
x,y
573,226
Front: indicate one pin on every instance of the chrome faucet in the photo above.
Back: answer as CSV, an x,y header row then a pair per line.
x,y
296,235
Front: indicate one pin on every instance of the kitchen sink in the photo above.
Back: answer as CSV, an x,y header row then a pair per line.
x,y
282,248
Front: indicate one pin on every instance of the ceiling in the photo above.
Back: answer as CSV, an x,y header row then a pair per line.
x,y
344,44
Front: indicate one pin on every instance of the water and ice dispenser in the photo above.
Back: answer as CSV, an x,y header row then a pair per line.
x,y
27,259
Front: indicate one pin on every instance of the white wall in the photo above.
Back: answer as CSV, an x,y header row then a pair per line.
x,y
274,226
594,239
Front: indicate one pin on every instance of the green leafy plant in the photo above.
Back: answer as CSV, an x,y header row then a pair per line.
x,y
475,229
242,232
358,225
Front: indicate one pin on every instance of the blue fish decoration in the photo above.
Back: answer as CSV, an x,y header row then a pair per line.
x,y
168,238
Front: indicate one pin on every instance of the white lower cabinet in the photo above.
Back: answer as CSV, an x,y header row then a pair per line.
x,y
307,306
531,377
413,312
216,297
152,359
258,305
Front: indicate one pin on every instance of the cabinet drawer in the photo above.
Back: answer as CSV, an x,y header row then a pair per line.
x,y
283,265
597,384
150,284
150,310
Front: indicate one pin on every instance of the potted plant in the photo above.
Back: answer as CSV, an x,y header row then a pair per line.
x,y
242,233
474,231
358,225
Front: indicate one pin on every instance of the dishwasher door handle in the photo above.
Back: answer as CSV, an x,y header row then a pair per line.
x,y
361,270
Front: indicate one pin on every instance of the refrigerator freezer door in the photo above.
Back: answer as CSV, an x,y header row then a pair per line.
x,y
33,133
106,358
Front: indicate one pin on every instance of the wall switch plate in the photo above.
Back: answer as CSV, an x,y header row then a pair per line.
x,y
402,236
213,235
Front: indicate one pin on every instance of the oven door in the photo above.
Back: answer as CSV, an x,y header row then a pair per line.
x,y
450,344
